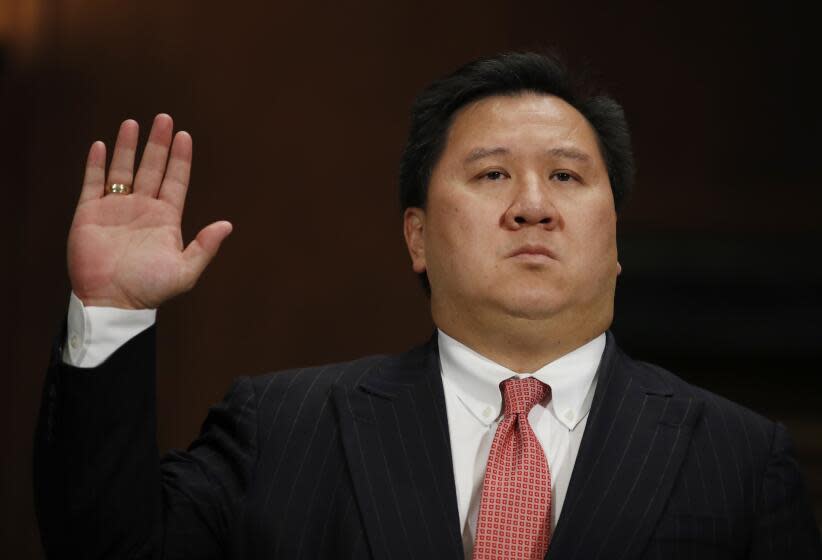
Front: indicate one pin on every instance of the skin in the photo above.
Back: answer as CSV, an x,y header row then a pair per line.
x,y
127,251
520,176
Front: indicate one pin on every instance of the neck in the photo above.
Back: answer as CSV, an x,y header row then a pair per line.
x,y
520,344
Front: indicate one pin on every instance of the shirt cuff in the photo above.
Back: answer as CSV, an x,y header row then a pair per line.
x,y
95,333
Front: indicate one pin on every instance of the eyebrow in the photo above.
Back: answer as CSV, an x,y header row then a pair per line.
x,y
566,153
479,153
570,153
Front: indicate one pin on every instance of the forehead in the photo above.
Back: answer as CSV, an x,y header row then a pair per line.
x,y
520,121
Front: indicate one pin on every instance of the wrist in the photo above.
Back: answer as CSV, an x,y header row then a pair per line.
x,y
107,301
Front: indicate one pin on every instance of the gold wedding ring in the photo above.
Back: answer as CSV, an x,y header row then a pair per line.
x,y
118,188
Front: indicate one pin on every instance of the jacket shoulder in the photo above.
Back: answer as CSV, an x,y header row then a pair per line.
x,y
717,410
347,374
319,377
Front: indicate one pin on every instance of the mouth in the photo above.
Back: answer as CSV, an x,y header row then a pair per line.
x,y
537,253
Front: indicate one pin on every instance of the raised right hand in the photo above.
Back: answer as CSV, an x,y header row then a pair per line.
x,y
127,250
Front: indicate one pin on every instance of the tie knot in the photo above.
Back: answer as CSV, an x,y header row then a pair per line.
x,y
520,395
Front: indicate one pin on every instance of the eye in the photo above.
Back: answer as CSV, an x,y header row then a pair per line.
x,y
493,175
563,176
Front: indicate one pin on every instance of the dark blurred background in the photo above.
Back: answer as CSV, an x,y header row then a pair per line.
x,y
299,114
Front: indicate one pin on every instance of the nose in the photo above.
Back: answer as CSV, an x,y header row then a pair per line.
x,y
532,205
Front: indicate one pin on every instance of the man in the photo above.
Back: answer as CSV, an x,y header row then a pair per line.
x,y
519,430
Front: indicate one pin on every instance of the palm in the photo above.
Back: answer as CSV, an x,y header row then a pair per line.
x,y
127,250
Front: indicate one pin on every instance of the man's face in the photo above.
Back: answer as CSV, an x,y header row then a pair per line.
x,y
520,217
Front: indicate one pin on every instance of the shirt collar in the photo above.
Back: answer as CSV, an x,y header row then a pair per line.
x,y
475,379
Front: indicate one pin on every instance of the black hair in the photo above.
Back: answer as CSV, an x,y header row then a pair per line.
x,y
508,74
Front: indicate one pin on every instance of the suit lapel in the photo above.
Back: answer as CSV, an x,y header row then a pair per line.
x,y
629,457
395,434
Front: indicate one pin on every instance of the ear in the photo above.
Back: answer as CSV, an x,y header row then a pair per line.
x,y
619,266
413,226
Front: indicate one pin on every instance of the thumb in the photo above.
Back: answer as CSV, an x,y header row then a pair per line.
x,y
203,248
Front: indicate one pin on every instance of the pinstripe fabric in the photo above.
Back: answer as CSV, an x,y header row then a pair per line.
x,y
353,461
667,470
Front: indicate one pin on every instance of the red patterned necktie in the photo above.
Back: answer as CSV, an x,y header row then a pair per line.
x,y
515,507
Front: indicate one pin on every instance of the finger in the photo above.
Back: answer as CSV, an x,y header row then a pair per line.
x,y
153,163
200,251
95,176
175,184
121,169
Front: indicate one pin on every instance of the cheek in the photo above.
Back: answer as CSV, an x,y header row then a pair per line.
x,y
455,217
448,235
456,236
595,238
599,216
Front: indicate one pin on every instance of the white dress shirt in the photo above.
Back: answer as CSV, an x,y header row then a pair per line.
x,y
473,401
94,333
472,397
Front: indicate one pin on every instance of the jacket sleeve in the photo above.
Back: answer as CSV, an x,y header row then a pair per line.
x,y
785,526
101,490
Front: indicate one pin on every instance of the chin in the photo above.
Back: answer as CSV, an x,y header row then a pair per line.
x,y
533,304
532,313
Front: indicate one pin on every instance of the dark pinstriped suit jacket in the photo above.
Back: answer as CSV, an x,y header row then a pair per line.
x,y
353,460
